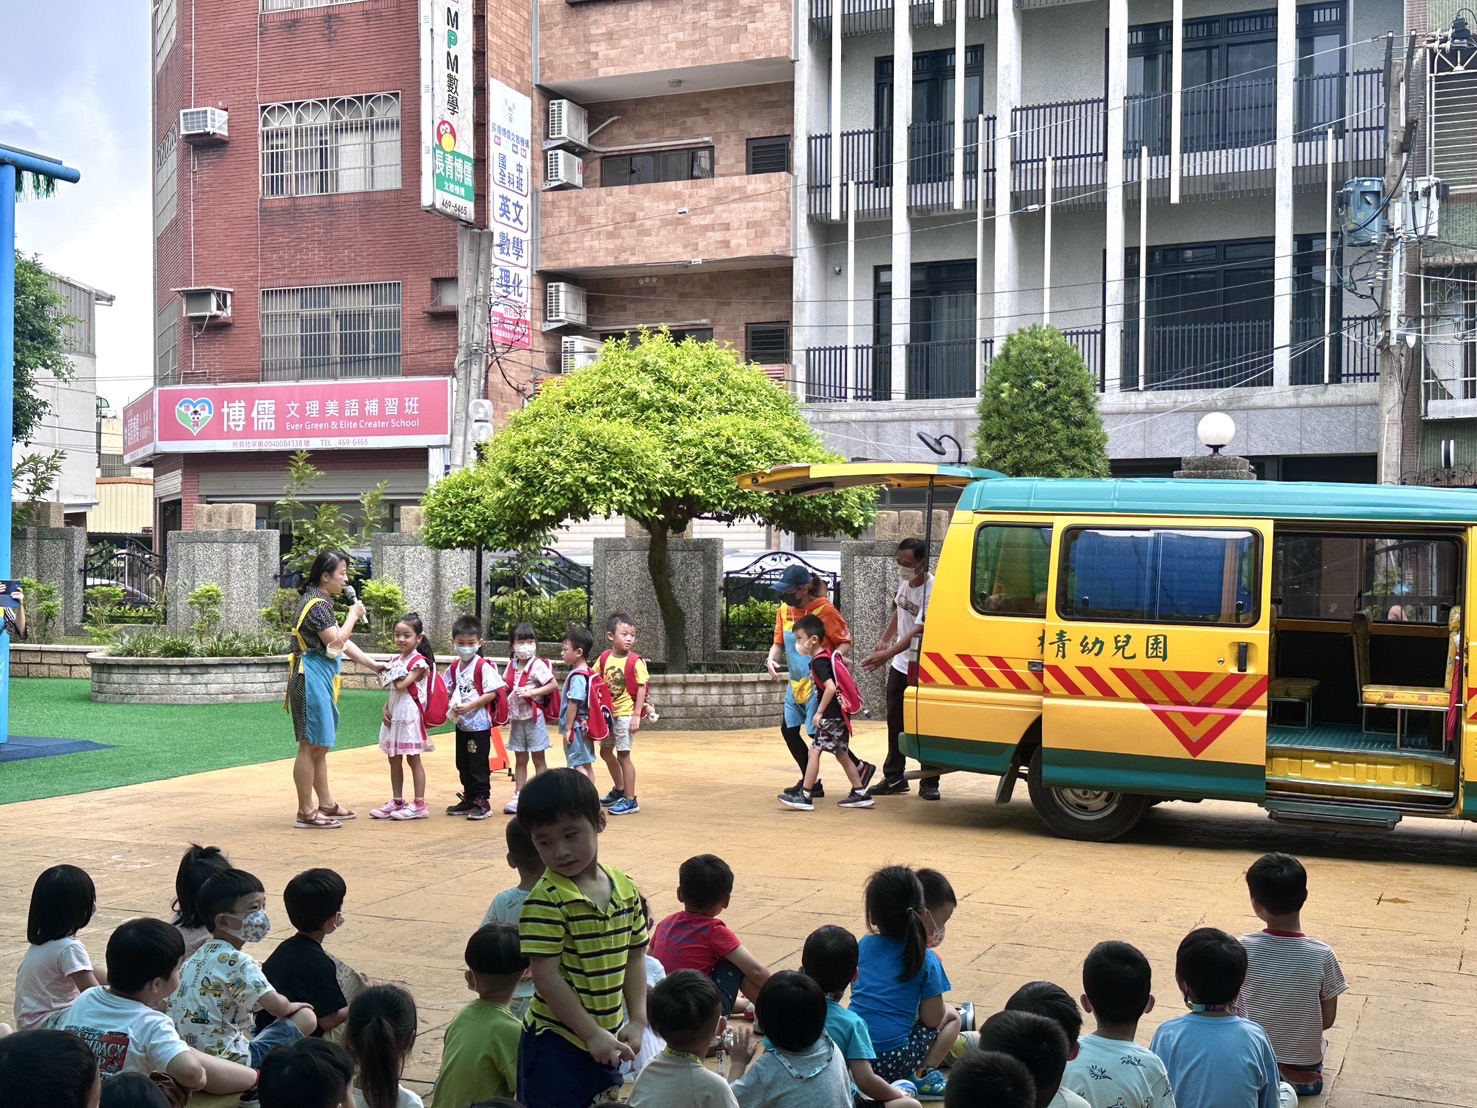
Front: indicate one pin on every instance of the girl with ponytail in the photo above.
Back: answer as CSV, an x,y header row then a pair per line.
x,y
402,734
380,1034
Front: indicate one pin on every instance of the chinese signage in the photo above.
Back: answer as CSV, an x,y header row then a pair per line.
x,y
329,415
448,149
510,135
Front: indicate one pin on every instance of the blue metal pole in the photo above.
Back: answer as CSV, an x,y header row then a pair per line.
x,y
8,177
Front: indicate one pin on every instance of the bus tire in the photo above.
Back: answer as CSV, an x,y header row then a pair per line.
x,y
1086,815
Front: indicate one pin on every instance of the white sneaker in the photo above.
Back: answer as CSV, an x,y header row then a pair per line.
x,y
511,807
418,810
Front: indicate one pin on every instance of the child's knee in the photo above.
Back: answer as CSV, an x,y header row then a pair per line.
x,y
305,1021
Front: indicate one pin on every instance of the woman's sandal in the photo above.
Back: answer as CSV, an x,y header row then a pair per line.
x,y
315,821
339,812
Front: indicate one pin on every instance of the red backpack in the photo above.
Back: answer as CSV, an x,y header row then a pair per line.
x,y
549,705
846,691
601,705
631,683
438,699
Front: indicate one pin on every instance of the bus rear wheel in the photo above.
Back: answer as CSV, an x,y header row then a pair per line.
x,y
1089,815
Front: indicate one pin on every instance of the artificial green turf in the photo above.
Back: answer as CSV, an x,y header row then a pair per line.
x,y
154,741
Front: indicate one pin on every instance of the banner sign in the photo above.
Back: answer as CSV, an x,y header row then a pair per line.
x,y
510,138
448,146
327,415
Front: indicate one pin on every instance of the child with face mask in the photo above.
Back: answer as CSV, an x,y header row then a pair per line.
x,y
221,986
475,685
529,679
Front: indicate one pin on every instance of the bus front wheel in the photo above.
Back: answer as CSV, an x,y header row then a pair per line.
x,y
1090,815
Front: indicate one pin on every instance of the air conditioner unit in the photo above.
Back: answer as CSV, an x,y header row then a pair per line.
x,y
568,122
204,126
205,304
563,170
576,353
564,304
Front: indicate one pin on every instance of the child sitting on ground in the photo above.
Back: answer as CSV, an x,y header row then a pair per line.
x,y
939,903
830,959
123,1025
307,1074
1043,998
1111,1070
829,725
1292,982
989,1078
300,967
686,1009
528,679
479,1057
198,863
48,1069
221,986
800,1067
1216,1059
695,938
1037,1042
380,1035
507,906
56,967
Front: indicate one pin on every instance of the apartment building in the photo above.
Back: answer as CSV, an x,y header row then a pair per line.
x,y
1059,161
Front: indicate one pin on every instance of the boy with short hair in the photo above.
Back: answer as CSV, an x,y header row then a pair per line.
x,y
695,938
310,1073
622,667
473,683
687,1011
1214,1058
1292,982
221,985
507,906
829,725
575,723
1044,998
122,1024
479,1057
989,1077
1037,1042
585,932
1111,1070
527,679
800,1067
300,967
830,959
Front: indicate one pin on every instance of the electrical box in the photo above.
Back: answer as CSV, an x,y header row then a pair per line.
x,y
1422,214
1361,205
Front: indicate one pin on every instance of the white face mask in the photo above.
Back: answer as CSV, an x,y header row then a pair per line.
x,y
525,650
906,575
466,653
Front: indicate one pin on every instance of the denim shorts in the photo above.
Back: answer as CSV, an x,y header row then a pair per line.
x,y
527,736
269,1038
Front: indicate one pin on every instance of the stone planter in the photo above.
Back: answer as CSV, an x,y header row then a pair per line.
x,y
187,680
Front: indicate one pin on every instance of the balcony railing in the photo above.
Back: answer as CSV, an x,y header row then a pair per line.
x,y
874,17
866,158
1089,343
1355,356
1183,356
1074,134
941,370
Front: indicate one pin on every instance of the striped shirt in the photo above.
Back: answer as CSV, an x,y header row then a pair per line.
x,y
1288,977
559,921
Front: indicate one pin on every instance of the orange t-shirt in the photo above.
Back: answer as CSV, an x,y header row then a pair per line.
x,y
837,633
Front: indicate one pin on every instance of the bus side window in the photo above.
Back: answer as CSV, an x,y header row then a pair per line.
x,y
1011,562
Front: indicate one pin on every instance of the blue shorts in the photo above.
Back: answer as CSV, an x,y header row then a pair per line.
x,y
795,716
577,751
269,1038
554,1073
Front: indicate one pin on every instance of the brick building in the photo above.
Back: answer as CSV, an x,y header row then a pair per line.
x,y
302,294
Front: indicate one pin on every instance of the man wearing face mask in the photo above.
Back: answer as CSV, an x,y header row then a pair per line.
x,y
909,603
221,986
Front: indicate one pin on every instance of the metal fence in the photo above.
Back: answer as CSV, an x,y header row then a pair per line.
x,y
748,599
133,567
541,595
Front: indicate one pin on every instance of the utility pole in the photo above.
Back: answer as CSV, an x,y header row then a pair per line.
x,y
1394,379
474,280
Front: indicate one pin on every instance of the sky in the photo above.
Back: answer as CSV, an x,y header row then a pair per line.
x,y
74,85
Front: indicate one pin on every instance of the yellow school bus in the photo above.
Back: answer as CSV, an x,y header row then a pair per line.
x,y
1298,646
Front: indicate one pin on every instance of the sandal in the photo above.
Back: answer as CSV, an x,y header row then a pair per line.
x,y
339,812
316,821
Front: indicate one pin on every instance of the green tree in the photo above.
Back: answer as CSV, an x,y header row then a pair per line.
x,y
1038,411
656,433
40,333
320,526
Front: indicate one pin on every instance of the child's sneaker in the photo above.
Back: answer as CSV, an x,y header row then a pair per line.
x,y
481,809
931,1086
388,809
625,806
906,1087
418,810
857,798
461,807
511,807
612,798
798,799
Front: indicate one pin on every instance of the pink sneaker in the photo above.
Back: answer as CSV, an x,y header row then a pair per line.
x,y
418,810
388,809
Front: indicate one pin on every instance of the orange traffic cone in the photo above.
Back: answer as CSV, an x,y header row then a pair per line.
x,y
498,758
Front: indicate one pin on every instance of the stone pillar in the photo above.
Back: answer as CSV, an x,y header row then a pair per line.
x,y
1216,467
427,578
53,556
621,582
868,584
244,563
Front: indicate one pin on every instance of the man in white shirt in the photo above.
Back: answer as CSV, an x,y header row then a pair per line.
x,y
909,604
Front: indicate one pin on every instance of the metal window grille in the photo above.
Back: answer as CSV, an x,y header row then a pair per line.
x,y
166,179
767,343
769,155
166,330
298,5
165,25
331,331
1453,114
346,144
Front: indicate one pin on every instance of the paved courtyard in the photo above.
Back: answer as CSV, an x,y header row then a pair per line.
x,y
1396,909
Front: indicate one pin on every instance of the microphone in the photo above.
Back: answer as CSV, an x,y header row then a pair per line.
x,y
353,597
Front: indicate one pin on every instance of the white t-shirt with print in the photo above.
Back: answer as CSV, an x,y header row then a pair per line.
x,y
532,674
219,989
126,1035
405,1099
1108,1073
43,985
911,602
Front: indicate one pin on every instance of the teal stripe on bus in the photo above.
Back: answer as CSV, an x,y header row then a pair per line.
x,y
1183,778
975,755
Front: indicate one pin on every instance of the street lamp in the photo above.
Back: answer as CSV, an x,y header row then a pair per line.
x,y
1216,430
936,445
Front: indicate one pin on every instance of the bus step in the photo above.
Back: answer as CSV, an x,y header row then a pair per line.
x,y
1324,813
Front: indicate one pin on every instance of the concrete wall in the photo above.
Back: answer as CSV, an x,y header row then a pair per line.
x,y
53,555
50,661
623,583
243,563
868,584
428,578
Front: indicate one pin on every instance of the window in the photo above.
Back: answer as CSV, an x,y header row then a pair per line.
x,y
769,155
931,136
1010,570
347,144
679,334
1164,575
445,292
767,343
1403,578
941,347
166,329
298,5
166,179
662,165
331,331
165,25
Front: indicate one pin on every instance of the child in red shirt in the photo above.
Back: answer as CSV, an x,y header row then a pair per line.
x,y
695,938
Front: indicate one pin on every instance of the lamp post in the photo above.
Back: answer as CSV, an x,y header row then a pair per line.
x,y
1215,432
936,445
479,412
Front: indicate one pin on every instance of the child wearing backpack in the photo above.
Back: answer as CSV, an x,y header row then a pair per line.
x,y
475,686
580,710
530,682
625,673
831,722
403,735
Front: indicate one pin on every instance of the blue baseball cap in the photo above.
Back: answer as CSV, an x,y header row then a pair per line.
x,y
793,578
